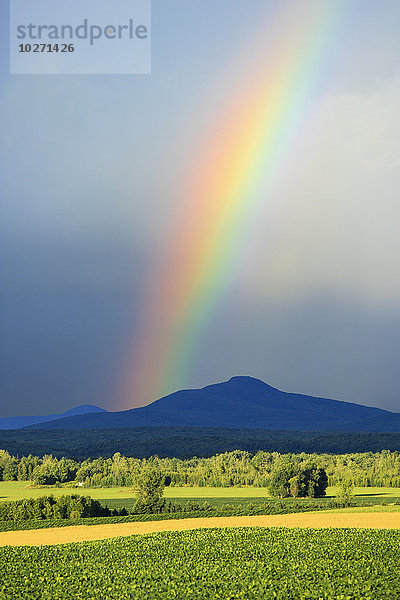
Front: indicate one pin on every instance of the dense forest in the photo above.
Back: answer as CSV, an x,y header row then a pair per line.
x,y
237,468
186,442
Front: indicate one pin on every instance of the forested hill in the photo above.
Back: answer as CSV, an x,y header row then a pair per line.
x,y
241,402
186,442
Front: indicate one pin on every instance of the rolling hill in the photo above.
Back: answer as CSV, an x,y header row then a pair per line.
x,y
241,402
19,422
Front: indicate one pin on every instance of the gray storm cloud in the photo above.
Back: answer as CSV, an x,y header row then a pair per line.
x,y
91,173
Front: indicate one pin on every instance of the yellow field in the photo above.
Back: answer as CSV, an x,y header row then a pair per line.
x,y
80,533
370,509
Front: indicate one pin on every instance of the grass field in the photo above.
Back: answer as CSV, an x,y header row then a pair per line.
x,y
17,490
240,564
254,492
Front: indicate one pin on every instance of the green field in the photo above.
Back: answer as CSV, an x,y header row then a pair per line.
x,y
17,490
256,492
242,563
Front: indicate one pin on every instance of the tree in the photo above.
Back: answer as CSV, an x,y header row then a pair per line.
x,y
149,489
316,482
281,481
295,486
345,493
294,480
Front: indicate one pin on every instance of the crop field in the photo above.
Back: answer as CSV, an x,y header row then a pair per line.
x,y
81,533
389,508
218,503
241,563
17,490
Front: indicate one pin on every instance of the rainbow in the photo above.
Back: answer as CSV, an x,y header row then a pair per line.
x,y
231,179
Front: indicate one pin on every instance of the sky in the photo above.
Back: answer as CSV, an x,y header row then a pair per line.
x,y
149,244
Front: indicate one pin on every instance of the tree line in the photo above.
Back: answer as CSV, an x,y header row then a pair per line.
x,y
236,468
48,507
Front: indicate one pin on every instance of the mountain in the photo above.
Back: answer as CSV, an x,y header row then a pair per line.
x,y
19,422
241,402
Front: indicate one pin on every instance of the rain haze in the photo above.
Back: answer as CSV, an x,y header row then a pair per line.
x,y
94,181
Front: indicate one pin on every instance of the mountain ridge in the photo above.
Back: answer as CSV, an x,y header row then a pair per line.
x,y
241,402
27,421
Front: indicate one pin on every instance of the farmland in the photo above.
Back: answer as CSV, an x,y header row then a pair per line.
x,y
267,555
251,563
287,556
17,490
82,533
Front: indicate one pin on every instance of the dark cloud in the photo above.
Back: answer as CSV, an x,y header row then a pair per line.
x,y
91,191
